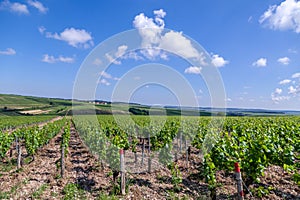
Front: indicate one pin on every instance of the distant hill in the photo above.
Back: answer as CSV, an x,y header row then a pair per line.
x,y
11,104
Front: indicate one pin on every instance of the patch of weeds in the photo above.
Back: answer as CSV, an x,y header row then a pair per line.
x,y
173,196
6,167
72,191
54,194
176,176
13,190
262,191
107,197
110,173
57,176
116,187
296,178
37,194
27,160
4,195
19,170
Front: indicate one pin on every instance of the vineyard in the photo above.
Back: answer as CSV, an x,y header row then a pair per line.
x,y
138,157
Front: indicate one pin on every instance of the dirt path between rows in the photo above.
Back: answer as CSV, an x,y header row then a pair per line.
x,y
32,176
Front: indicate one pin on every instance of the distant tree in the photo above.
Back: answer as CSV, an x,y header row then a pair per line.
x,y
51,103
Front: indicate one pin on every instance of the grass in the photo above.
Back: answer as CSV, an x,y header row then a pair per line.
x,y
13,190
73,191
37,193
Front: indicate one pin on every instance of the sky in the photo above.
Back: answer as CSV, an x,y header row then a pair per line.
x,y
254,46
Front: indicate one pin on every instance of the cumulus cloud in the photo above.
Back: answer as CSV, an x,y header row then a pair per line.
x,y
38,5
218,61
154,41
15,7
104,82
51,59
285,16
180,45
261,62
78,38
115,57
296,75
193,70
284,60
159,13
277,96
285,81
278,91
8,51
276,99
292,90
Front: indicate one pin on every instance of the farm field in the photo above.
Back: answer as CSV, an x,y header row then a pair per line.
x,y
267,149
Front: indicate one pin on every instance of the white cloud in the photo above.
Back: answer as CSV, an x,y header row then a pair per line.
x,y
117,55
97,62
180,45
8,51
285,81
121,51
132,55
278,91
65,59
159,13
292,51
111,59
106,75
193,70
284,60
42,29
14,7
262,62
292,90
228,99
38,5
285,16
218,61
51,59
277,97
74,37
296,75
150,32
104,82
154,42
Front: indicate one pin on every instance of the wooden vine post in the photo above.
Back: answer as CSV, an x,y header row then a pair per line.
x,y
149,155
122,169
62,159
239,181
143,151
19,151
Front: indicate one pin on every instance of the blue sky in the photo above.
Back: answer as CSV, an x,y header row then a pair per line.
x,y
255,45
